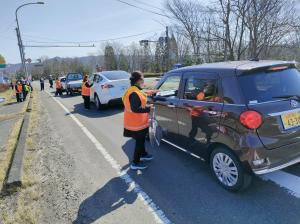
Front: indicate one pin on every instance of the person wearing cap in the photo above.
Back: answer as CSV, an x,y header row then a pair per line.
x,y
136,119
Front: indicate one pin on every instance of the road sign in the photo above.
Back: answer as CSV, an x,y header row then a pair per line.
x,y
2,65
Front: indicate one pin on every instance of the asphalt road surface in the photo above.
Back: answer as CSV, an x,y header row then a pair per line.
x,y
179,188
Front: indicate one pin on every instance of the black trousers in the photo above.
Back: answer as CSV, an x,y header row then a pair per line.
x,y
139,150
58,92
86,100
42,86
24,95
19,97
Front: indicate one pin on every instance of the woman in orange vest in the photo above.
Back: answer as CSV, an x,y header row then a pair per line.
x,y
85,91
58,87
136,119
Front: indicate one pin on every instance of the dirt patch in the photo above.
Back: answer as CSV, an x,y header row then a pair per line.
x,y
47,194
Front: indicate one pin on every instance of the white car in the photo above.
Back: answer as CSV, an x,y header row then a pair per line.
x,y
63,83
108,87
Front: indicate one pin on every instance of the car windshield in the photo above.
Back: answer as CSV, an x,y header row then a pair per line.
x,y
74,76
116,75
268,86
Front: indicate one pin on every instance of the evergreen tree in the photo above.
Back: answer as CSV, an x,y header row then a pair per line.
x,y
109,58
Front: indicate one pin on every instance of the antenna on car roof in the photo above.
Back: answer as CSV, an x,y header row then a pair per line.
x,y
254,59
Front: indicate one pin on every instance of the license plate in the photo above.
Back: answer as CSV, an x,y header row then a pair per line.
x,y
291,120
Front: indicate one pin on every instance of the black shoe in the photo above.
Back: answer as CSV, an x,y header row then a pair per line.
x,y
138,166
146,157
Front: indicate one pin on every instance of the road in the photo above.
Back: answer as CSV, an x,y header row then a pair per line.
x,y
181,187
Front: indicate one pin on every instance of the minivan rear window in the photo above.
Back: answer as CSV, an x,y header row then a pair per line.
x,y
267,86
116,75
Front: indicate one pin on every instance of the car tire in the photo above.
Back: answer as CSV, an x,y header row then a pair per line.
x,y
228,170
98,104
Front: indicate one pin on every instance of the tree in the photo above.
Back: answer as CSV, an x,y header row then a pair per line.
x,y
268,22
123,62
109,58
2,60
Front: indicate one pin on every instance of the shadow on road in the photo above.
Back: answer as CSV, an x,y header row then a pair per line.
x,y
9,104
128,149
113,195
94,113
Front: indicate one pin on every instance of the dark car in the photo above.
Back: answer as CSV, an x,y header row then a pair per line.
x,y
242,117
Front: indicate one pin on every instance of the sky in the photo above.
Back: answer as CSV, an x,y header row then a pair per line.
x,y
76,21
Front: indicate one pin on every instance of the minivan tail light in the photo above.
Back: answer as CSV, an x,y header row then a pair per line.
x,y
251,119
106,86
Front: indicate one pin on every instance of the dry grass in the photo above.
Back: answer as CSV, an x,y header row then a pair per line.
x,y
6,156
9,96
26,210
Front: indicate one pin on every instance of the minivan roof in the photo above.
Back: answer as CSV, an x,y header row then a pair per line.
x,y
238,66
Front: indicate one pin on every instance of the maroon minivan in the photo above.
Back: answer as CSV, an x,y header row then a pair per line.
x,y
243,117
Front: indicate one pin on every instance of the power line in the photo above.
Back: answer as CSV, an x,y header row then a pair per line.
x,y
144,9
59,46
91,41
144,3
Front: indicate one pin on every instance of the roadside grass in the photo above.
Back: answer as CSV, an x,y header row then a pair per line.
x,y
9,97
6,156
25,209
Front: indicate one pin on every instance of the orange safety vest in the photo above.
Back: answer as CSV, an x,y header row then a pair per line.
x,y
85,91
135,121
19,88
58,84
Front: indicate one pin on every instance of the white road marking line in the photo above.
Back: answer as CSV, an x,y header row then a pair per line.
x,y
157,213
286,180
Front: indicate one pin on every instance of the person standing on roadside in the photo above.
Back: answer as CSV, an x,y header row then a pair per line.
x,y
51,81
58,87
85,91
42,83
136,119
19,91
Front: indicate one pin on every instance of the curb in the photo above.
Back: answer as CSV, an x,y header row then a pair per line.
x,y
14,174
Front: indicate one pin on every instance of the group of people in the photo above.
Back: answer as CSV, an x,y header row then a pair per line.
x,y
58,85
136,116
22,88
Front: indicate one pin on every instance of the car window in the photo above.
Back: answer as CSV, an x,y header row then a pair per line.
x,y
267,85
97,78
197,88
169,88
231,91
116,75
74,76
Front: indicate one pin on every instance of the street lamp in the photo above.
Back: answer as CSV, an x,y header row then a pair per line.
x,y
20,43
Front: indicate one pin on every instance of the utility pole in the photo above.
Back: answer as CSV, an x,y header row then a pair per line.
x,y
21,49
20,43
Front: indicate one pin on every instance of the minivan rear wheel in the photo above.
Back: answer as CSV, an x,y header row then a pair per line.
x,y
228,170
